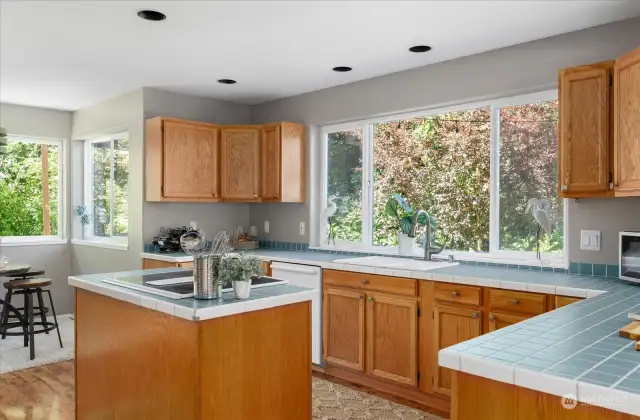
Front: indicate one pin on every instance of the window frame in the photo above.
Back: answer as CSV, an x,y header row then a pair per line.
x,y
61,236
556,259
89,238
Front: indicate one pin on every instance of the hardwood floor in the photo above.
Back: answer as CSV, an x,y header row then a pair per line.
x,y
47,393
41,393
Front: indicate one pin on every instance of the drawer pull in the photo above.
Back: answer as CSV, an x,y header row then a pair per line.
x,y
514,301
359,297
365,281
455,294
492,317
370,299
474,315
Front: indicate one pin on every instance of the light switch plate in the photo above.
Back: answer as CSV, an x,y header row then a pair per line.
x,y
301,228
590,240
266,226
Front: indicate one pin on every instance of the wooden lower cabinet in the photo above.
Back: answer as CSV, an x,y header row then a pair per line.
x,y
565,300
392,338
453,325
343,328
499,320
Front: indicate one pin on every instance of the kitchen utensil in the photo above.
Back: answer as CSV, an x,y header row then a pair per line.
x,y
194,242
222,243
631,331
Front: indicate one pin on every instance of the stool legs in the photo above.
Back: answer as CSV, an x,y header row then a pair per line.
x,y
43,315
55,319
4,318
29,315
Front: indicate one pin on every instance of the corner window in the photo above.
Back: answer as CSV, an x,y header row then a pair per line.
x,y
107,188
485,172
30,190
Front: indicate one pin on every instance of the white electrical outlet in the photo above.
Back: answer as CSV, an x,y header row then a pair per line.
x,y
266,226
590,240
301,228
193,225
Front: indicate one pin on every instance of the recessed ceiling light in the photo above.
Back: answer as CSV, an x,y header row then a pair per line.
x,y
227,81
342,69
420,48
152,15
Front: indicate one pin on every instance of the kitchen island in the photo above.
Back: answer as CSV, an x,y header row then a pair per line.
x,y
141,356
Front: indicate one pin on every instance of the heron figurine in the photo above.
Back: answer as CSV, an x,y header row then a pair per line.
x,y
326,218
543,215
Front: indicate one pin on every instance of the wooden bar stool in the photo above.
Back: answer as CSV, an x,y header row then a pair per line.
x,y
38,310
26,323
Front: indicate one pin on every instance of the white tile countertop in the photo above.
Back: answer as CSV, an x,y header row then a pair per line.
x,y
193,309
575,350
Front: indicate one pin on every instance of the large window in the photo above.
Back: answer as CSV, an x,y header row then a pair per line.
x,y
476,169
107,187
30,189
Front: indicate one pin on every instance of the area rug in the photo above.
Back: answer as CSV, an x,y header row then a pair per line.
x,y
14,356
336,402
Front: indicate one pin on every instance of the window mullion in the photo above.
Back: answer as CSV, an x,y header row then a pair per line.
x,y
111,200
367,186
494,191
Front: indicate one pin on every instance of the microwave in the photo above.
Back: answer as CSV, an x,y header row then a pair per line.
x,y
630,256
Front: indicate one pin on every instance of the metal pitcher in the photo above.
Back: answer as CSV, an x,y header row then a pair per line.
x,y
206,284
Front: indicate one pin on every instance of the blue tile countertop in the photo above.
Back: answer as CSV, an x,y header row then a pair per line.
x,y
193,309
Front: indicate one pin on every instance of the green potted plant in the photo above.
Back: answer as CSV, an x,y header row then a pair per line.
x,y
238,270
398,208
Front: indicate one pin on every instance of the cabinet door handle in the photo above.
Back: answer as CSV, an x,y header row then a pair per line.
x,y
365,281
215,195
359,297
276,195
492,317
514,301
474,315
255,195
455,294
370,299
564,187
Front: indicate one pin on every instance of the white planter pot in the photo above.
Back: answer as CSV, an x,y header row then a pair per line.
x,y
242,289
405,244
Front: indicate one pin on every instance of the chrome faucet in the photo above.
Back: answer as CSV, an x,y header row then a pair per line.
x,y
428,250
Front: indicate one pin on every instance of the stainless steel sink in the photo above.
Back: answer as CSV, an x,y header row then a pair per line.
x,y
396,263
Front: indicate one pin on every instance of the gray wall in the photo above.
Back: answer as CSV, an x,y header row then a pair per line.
x,y
508,71
55,259
211,217
121,112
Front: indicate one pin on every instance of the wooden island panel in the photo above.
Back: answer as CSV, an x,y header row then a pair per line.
x,y
138,363
476,398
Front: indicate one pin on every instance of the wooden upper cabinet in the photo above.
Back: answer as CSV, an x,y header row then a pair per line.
x,y
181,160
343,328
453,325
627,124
392,338
283,163
240,163
584,130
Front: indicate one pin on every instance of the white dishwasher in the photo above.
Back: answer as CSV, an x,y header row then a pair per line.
x,y
311,277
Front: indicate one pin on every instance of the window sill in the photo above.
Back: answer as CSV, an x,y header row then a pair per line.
x,y
101,244
30,241
546,261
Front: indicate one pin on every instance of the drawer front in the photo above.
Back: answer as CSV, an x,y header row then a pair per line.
x,y
371,282
467,295
526,303
566,300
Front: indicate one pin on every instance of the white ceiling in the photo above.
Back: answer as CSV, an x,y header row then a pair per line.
x,y
69,54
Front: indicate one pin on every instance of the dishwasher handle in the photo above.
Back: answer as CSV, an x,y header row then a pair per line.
x,y
295,269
